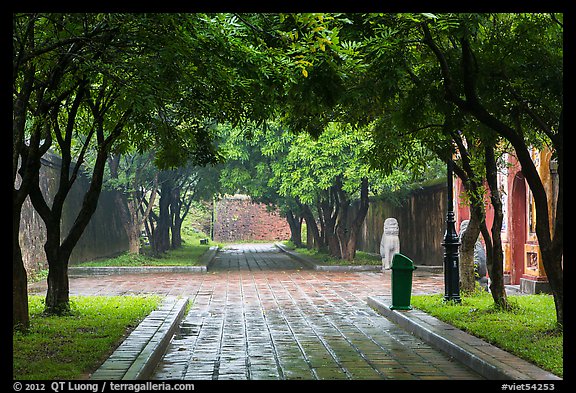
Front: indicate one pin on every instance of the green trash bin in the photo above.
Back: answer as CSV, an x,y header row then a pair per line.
x,y
401,281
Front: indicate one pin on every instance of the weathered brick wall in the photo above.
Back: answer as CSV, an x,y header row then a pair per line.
x,y
104,236
422,222
238,218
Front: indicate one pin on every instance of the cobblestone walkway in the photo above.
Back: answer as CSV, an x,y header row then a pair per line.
x,y
257,314
293,325
253,257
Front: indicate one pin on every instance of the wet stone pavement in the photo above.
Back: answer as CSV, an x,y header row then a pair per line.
x,y
258,314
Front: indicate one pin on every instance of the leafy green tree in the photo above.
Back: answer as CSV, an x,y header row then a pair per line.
x,y
31,139
127,79
178,189
499,73
250,152
505,71
330,174
46,74
417,125
133,178
496,75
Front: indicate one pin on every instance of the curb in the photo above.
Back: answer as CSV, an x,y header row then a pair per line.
x,y
109,270
140,352
208,257
205,260
327,268
484,358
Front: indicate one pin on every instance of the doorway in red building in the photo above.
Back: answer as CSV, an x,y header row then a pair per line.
x,y
518,215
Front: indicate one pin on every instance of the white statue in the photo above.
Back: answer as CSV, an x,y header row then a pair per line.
x,y
390,243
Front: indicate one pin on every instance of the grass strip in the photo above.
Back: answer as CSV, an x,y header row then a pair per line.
x,y
187,255
528,331
323,258
69,347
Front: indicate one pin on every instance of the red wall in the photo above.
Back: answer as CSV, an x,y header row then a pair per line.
x,y
237,218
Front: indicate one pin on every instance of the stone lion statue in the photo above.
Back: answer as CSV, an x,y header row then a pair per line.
x,y
390,243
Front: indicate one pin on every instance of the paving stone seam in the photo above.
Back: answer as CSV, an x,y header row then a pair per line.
x,y
366,334
291,329
347,339
245,326
374,318
193,301
187,371
285,324
488,366
216,369
267,324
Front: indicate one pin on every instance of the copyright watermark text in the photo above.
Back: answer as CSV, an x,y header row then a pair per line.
x,y
100,387
528,386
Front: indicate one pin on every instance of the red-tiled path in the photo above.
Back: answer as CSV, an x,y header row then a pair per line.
x,y
257,314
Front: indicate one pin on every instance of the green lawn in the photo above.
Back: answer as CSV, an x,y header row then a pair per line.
x,y
322,258
71,346
528,331
188,255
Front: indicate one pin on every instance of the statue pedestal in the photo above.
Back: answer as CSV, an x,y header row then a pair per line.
x,y
534,285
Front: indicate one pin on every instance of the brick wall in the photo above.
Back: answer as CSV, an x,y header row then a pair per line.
x,y
238,218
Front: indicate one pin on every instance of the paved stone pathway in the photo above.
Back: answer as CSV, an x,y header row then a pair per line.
x,y
253,257
257,314
297,325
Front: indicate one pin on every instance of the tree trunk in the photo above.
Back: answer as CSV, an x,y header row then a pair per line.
x,y
26,163
58,253
555,273
497,272
175,219
551,247
332,242
22,159
348,246
20,317
162,231
311,227
149,228
329,209
57,296
176,231
295,224
466,265
134,239
348,226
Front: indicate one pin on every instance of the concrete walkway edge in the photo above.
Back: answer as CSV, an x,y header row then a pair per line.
x,y
137,356
484,358
205,260
327,268
107,270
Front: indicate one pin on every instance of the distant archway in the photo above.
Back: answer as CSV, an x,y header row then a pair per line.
x,y
518,215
